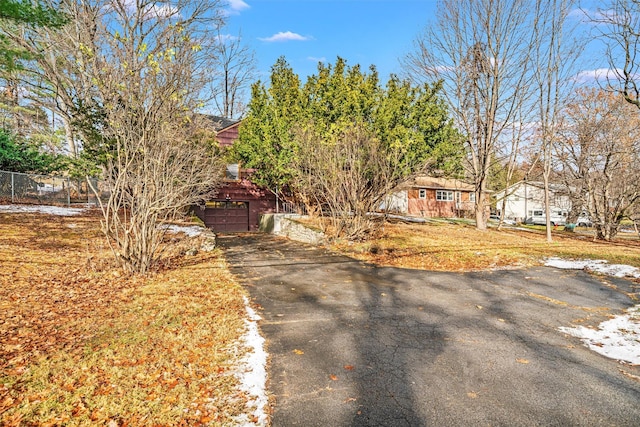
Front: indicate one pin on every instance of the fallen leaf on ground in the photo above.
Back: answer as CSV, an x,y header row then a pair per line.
x,y
627,374
523,361
333,377
298,352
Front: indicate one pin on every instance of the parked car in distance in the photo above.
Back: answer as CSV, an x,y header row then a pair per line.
x,y
539,218
507,221
584,221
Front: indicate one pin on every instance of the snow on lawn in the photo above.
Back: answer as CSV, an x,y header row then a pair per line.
x,y
189,230
617,338
51,210
252,371
597,266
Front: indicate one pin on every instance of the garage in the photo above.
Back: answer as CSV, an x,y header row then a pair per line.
x,y
227,216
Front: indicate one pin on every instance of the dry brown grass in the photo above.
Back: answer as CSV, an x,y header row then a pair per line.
x,y
445,246
81,344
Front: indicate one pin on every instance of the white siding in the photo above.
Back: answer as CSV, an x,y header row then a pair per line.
x,y
396,203
525,197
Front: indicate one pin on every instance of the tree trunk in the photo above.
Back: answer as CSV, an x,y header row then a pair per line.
x,y
547,206
480,212
68,134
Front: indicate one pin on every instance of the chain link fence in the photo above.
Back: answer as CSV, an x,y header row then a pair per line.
x,y
46,189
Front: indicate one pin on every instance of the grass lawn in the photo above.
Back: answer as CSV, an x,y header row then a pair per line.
x,y
446,246
82,344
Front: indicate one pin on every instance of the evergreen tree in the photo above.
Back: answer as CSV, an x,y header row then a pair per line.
x,y
409,120
19,156
265,139
24,12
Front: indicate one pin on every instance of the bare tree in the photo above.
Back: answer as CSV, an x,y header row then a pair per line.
x,y
506,163
348,177
619,26
57,76
601,157
150,66
235,72
152,178
554,55
23,116
131,76
481,50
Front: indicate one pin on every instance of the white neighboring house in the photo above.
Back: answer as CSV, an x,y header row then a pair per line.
x,y
525,202
397,202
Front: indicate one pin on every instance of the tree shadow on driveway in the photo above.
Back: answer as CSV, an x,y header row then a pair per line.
x,y
352,344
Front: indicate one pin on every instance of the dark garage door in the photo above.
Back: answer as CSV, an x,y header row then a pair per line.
x,y
227,216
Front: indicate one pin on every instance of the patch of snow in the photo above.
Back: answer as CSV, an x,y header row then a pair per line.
x,y
51,210
191,230
253,370
530,230
618,338
597,265
408,218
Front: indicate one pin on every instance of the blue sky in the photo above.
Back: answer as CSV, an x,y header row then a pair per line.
x,y
365,32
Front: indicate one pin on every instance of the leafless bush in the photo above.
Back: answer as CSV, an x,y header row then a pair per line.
x,y
347,177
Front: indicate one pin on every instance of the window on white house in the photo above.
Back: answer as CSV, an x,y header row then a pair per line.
x,y
472,197
422,193
444,196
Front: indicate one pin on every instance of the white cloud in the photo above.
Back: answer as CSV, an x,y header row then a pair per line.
x,y
226,38
163,11
285,37
601,17
315,59
597,75
237,6
441,69
151,11
581,15
608,16
603,76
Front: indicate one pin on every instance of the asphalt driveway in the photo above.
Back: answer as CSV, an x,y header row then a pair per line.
x,y
353,345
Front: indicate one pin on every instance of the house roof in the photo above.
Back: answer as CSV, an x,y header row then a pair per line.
x,y
553,187
222,123
440,183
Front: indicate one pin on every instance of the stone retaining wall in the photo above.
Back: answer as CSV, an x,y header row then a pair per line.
x,y
287,226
